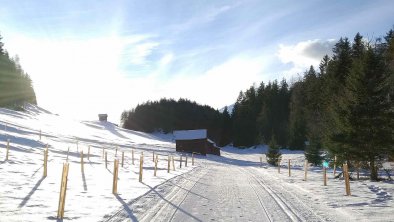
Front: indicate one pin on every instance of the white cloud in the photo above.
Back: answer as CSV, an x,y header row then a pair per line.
x,y
220,85
304,54
140,51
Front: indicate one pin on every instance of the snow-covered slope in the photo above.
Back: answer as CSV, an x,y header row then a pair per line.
x,y
25,195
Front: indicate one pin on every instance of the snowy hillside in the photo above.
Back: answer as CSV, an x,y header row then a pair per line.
x,y
235,186
25,195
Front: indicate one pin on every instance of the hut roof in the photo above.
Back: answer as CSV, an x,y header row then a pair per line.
x,y
190,134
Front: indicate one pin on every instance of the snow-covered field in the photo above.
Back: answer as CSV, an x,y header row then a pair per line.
x,y
25,195
233,187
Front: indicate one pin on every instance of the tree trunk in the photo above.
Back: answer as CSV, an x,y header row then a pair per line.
x,y
374,170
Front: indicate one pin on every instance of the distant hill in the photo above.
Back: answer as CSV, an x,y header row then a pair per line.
x,y
229,109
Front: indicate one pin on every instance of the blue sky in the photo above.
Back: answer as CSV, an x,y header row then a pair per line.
x,y
89,57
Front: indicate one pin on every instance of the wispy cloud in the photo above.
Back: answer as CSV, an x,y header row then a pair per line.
x,y
304,54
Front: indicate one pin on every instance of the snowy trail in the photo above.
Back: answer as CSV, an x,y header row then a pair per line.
x,y
222,189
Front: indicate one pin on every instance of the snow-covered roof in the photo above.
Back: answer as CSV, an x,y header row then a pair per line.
x,y
190,134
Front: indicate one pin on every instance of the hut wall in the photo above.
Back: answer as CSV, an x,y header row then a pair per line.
x,y
197,146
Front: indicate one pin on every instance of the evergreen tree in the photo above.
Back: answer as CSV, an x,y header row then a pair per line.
x,y
273,154
15,85
226,128
313,152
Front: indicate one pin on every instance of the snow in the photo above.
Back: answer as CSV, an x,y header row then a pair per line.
x,y
190,134
231,187
25,195
236,187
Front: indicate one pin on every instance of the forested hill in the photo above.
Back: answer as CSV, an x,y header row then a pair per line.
x,y
345,107
15,85
168,115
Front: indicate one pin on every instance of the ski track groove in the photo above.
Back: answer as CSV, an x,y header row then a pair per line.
x,y
260,201
304,214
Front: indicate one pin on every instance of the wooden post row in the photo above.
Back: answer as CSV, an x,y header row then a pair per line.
x,y
289,168
45,161
346,176
115,180
141,167
63,189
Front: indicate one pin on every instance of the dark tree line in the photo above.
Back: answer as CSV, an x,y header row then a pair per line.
x,y
167,115
15,85
344,107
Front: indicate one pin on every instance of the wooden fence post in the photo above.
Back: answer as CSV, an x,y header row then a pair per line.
x,y
106,164
63,189
132,156
346,176
8,149
325,176
141,167
173,163
192,159
335,165
168,164
156,160
115,180
68,151
278,165
82,170
45,162
261,161
306,170
180,162
289,168
122,157
186,161
88,152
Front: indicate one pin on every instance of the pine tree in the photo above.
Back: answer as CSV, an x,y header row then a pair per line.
x,y
313,152
365,112
273,154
